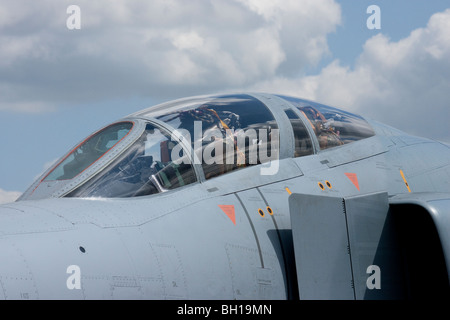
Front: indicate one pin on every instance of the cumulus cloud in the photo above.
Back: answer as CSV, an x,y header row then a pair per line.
x,y
404,83
153,48
8,196
170,48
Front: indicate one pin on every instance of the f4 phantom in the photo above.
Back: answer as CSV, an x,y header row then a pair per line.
x,y
235,196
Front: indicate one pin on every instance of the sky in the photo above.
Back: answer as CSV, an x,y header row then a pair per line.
x,y
65,74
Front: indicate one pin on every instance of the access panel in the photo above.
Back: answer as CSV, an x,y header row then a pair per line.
x,y
375,249
346,248
321,247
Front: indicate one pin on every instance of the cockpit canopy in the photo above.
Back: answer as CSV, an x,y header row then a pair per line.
x,y
190,140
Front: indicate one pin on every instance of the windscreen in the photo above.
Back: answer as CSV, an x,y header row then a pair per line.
x,y
153,164
89,151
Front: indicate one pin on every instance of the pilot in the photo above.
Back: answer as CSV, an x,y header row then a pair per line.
x,y
325,131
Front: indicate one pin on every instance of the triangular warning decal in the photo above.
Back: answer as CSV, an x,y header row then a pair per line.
x,y
353,178
229,211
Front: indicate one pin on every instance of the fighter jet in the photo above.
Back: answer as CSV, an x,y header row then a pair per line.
x,y
232,197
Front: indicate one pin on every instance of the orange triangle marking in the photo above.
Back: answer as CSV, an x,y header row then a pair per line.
x,y
229,211
353,178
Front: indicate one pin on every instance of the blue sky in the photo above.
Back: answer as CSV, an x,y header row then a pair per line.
x,y
59,85
398,19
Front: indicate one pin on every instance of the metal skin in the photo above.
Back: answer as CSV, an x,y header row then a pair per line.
x,y
310,231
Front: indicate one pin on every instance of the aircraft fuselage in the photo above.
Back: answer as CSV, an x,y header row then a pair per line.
x,y
239,235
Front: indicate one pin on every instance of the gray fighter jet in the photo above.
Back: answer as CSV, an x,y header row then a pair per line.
x,y
235,196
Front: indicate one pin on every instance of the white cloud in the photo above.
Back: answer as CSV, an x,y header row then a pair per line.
x,y
171,48
8,196
186,41
404,83
154,48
